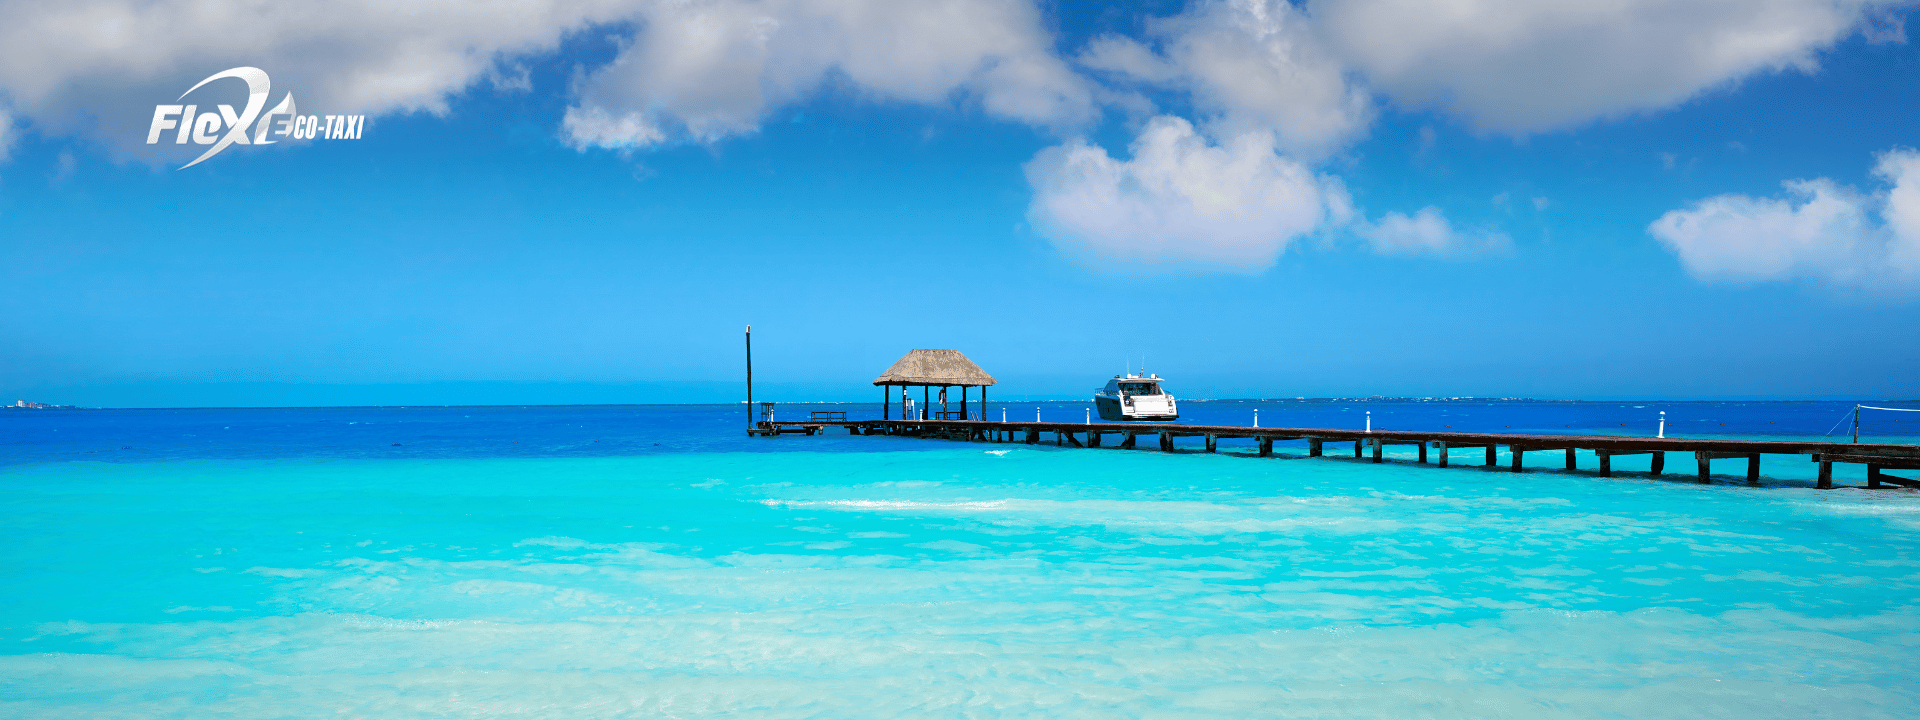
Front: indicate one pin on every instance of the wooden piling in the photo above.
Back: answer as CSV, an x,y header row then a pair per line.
x,y
1423,450
1378,448
1212,443
1571,464
1356,449
1753,468
1266,447
1313,447
1517,452
1093,438
1493,456
1826,476
1166,441
1127,443
1441,447
1659,462
1606,463
1705,461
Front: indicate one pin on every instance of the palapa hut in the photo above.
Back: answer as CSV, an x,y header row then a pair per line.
x,y
929,369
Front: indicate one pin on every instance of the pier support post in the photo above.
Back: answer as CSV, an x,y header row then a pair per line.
x,y
1753,469
1423,451
1571,465
1127,443
1705,461
1441,448
1166,441
1659,461
1093,439
1266,447
1517,453
1378,448
1826,476
1071,440
1213,443
1356,449
1606,463
1059,438
1033,436
1493,455
1873,475
1313,446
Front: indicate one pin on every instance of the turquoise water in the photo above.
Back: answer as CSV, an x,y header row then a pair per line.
x,y
835,577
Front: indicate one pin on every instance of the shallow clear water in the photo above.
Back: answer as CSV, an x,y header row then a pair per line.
x,y
305,566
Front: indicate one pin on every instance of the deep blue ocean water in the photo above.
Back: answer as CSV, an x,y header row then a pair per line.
x,y
653,561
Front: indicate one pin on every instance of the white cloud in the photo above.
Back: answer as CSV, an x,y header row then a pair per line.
x,y
1250,66
7,133
717,68
1180,199
1818,229
1426,232
1535,65
99,66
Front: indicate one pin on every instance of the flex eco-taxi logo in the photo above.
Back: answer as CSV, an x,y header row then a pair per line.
x,y
222,126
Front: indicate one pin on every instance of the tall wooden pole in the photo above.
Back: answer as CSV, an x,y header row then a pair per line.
x,y
1856,422
749,377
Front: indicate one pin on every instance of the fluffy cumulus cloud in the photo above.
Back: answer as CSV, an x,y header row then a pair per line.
x,y
1816,228
99,66
1427,232
1249,66
1181,199
1533,65
714,69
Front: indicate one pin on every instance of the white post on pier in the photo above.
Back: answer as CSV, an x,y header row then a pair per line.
x,y
1663,424
1036,414
1089,416
1369,421
1256,417
1003,414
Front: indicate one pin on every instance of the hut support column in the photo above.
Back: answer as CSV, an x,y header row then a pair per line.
x,y
886,403
926,401
963,404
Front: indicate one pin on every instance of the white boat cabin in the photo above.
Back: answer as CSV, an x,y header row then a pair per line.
x,y
1135,397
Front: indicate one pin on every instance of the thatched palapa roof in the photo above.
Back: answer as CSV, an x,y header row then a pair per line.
x,y
935,367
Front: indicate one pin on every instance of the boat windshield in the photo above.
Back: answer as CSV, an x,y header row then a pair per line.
x,y
1140,388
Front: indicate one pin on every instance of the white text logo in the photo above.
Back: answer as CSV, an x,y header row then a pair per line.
x,y
206,128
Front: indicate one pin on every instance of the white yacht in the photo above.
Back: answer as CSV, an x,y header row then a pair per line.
x,y
1134,397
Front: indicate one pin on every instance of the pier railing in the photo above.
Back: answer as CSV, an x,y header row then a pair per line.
x,y
1877,457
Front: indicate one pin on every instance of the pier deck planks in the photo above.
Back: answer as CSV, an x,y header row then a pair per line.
x,y
1875,456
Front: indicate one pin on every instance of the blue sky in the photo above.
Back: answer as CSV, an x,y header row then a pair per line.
x,y
586,202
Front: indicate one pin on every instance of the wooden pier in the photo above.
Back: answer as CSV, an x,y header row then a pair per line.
x,y
1877,457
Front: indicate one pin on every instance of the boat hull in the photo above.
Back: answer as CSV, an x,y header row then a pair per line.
x,y
1112,409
